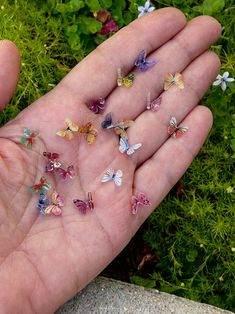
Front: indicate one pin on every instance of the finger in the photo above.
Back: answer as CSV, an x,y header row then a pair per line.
x,y
150,128
99,68
159,174
9,71
172,57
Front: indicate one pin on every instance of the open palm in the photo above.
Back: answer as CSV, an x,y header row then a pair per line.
x,y
44,260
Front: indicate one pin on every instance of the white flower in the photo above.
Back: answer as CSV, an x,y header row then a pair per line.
x,y
222,80
145,9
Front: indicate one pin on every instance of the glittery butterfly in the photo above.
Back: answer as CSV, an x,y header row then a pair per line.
x,y
53,163
55,207
136,201
67,133
142,63
119,128
41,187
96,106
175,130
124,146
153,105
84,205
126,81
43,202
171,79
29,137
89,131
65,174
111,175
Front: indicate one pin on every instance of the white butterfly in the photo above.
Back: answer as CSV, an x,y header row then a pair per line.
x,y
124,146
111,175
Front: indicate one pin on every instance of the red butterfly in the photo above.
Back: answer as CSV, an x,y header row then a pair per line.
x,y
175,130
136,201
41,187
65,174
83,206
53,163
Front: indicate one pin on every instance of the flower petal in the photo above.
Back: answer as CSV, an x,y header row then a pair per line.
x,y
216,83
140,9
229,79
226,74
151,9
223,86
147,5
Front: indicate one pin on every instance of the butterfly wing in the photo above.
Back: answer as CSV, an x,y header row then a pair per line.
x,y
172,125
107,121
133,148
180,131
128,80
141,58
155,104
62,173
134,205
71,125
179,80
81,205
90,201
147,65
123,145
91,136
169,79
118,178
43,202
65,133
71,171
142,199
108,175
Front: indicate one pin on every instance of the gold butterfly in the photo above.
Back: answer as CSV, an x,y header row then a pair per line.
x,y
126,81
89,131
120,128
68,132
171,79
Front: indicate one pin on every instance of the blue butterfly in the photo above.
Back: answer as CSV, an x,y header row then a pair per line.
x,y
111,175
43,202
124,146
142,63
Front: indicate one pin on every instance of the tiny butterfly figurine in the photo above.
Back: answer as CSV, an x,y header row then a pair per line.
x,y
124,146
65,174
55,207
176,79
89,131
126,81
83,206
142,63
119,128
43,202
111,175
67,133
29,138
53,163
136,201
97,106
153,105
41,187
175,130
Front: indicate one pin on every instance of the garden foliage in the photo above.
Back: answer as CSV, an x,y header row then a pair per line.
x,y
191,235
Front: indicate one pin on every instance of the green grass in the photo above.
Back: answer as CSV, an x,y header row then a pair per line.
x,y
191,236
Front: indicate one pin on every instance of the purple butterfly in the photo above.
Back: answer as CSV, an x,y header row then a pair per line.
x,y
65,174
43,202
108,122
142,63
83,206
96,106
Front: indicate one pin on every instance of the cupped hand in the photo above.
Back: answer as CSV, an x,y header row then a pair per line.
x,y
44,259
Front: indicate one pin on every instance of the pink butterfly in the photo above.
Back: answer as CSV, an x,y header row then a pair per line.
x,y
55,207
153,105
65,174
136,201
84,205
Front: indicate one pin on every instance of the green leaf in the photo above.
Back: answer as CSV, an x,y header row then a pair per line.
x,y
148,283
87,25
106,3
210,7
191,256
94,5
70,7
233,132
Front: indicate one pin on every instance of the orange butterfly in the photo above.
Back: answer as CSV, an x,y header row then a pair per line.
x,y
67,133
171,79
89,131
175,130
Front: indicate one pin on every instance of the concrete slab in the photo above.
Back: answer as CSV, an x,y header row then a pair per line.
x,y
105,295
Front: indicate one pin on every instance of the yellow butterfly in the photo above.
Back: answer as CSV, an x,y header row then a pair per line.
x,y
126,81
68,132
120,128
89,131
171,79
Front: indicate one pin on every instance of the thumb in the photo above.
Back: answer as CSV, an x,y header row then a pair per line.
x,y
9,71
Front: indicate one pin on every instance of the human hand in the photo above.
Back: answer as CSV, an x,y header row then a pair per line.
x,y
44,260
